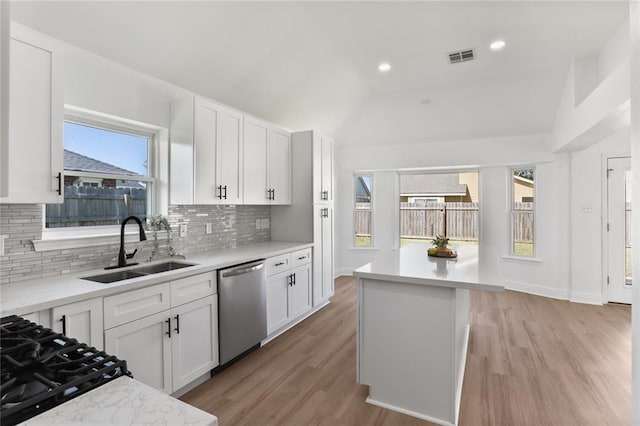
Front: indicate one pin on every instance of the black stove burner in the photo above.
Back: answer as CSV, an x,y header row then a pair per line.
x,y
41,369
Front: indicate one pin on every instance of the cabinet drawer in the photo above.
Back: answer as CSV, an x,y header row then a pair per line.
x,y
133,305
300,257
192,288
278,264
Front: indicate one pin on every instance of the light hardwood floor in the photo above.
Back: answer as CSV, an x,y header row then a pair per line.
x,y
531,361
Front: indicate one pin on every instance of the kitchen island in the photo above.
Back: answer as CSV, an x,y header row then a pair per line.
x,y
413,327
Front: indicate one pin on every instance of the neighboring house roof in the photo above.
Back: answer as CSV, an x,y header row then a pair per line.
x,y
431,184
362,191
82,163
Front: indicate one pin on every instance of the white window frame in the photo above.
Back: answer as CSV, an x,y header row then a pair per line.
x,y
371,209
86,236
512,242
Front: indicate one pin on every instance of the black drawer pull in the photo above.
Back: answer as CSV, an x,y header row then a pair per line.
x,y
168,332
279,264
64,324
177,329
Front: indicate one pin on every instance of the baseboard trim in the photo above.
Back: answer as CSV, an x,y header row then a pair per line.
x,y
344,271
586,298
536,290
421,416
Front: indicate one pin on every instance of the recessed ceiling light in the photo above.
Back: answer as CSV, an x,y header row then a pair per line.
x,y
384,67
497,45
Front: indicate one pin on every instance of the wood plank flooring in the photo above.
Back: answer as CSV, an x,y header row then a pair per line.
x,y
531,361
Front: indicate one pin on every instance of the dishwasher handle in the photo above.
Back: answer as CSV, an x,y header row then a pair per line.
x,y
244,269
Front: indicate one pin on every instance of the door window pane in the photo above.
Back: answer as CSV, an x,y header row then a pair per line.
x,y
522,212
363,211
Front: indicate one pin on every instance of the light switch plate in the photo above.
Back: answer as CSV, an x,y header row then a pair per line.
x,y
183,230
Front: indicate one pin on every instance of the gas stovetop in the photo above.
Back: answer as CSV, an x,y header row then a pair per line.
x,y
40,368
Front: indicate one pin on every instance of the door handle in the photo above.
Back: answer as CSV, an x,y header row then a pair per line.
x,y
273,194
324,213
294,278
59,177
289,280
225,192
219,188
168,332
177,329
63,320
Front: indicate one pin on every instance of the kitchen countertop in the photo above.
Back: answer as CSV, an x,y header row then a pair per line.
x,y
123,401
43,293
475,268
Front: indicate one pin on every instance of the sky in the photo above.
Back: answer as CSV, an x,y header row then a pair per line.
x,y
125,151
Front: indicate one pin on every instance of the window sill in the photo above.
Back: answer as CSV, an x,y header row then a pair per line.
x,y
369,248
525,259
80,241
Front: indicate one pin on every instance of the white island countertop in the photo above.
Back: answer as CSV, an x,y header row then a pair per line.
x,y
123,401
475,268
44,293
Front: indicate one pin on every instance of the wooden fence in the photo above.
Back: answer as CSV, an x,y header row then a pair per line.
x,y
458,221
86,206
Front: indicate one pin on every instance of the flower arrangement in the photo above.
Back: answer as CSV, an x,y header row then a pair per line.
x,y
159,223
440,248
440,241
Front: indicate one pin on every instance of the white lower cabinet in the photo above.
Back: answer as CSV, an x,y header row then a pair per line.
x,y
289,293
172,347
81,321
194,340
145,346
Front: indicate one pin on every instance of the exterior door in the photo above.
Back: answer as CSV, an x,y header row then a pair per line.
x,y
619,229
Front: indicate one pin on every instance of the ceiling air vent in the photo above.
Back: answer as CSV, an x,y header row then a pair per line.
x,y
462,56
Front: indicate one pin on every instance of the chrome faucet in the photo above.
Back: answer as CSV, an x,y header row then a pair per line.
x,y
122,255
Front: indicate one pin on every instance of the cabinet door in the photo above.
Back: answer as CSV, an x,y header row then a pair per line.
x,y
146,347
277,300
36,103
205,135
322,253
280,166
194,340
81,321
256,149
327,168
300,291
229,156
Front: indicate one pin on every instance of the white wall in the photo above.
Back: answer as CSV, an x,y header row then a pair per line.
x,y
549,276
583,120
98,84
587,243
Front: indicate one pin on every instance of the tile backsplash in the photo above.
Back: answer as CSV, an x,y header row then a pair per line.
x,y
231,226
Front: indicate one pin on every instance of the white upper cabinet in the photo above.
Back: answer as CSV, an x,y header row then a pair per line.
x,y
36,114
279,166
206,153
256,153
267,163
322,169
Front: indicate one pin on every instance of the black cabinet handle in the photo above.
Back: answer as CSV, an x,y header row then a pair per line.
x,y
64,324
225,192
279,263
302,257
219,188
168,332
273,194
325,213
177,329
294,279
59,177
289,280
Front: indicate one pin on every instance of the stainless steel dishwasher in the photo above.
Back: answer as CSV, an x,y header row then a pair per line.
x,y
242,307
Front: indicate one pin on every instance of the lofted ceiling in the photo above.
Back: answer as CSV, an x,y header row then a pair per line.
x,y
314,64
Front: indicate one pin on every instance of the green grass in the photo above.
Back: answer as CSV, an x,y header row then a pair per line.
x,y
363,242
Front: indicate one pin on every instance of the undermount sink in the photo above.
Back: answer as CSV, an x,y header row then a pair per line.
x,y
162,267
112,277
140,271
